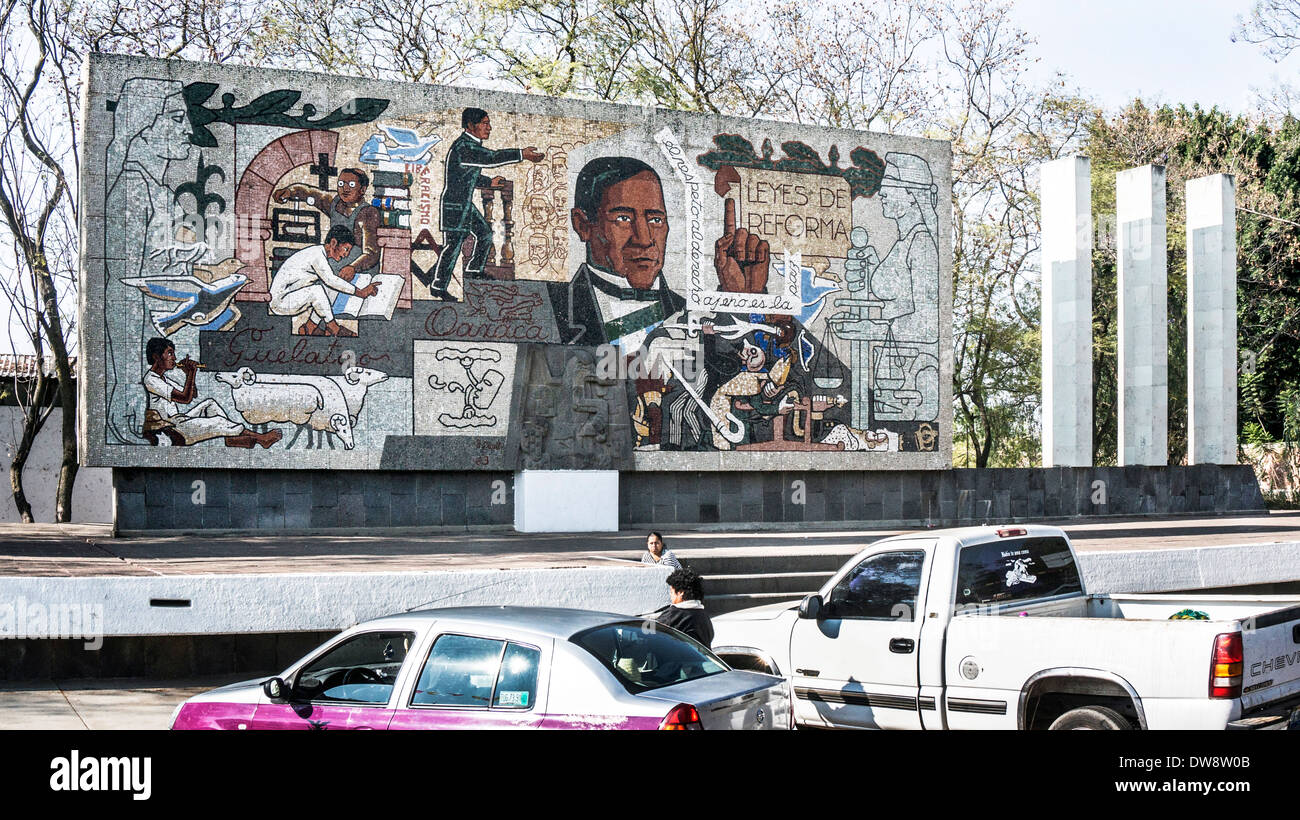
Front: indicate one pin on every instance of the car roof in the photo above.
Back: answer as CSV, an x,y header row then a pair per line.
x,y
550,622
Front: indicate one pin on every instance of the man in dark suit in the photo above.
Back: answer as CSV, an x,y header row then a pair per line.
x,y
619,293
461,218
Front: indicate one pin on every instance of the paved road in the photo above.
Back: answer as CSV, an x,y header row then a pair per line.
x,y
143,704
122,703
91,550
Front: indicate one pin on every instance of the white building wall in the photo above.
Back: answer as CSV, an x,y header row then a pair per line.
x,y
92,497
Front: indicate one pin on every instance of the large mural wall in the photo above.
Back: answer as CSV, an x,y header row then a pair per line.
x,y
287,270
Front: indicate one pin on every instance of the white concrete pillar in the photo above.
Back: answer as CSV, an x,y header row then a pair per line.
x,y
1066,196
1211,320
566,501
1143,317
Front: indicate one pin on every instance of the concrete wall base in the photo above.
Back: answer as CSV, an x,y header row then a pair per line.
x,y
284,501
156,656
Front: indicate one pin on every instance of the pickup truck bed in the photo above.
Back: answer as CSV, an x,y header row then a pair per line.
x,y
987,628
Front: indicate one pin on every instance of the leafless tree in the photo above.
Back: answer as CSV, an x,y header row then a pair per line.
x,y
35,203
430,41
43,44
1273,24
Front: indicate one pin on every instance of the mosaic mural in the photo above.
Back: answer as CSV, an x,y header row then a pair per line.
x,y
289,270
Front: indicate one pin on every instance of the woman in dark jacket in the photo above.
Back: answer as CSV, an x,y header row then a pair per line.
x,y
686,614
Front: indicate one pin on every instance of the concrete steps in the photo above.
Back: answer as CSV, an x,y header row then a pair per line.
x,y
721,604
788,583
734,579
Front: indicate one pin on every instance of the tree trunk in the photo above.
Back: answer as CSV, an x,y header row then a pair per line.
x,y
982,456
16,482
68,466
33,421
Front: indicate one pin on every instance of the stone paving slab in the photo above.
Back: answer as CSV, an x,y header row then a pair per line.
x,y
112,703
91,550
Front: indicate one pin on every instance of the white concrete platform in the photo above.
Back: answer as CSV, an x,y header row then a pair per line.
x,y
291,602
566,501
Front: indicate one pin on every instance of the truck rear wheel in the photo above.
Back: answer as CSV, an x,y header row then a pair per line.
x,y
1091,717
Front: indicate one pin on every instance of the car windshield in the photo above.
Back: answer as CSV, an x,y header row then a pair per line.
x,y
646,655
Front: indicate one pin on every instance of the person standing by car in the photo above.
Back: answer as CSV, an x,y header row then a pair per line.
x,y
656,555
686,613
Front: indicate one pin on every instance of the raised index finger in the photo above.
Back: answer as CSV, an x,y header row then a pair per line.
x,y
729,217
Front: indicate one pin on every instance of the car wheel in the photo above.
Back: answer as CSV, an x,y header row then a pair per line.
x,y
1091,717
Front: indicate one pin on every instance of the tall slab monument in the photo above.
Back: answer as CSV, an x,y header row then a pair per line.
x,y
1143,317
1066,192
1211,320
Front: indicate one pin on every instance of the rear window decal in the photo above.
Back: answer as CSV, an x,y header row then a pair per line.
x,y
1019,573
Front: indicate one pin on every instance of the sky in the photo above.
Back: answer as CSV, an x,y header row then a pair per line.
x,y
1175,51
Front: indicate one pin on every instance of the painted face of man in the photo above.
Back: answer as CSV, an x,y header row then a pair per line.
x,y
539,210
336,250
629,235
168,358
538,250
481,129
350,188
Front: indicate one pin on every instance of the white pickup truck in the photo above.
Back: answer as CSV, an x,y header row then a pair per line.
x,y
991,628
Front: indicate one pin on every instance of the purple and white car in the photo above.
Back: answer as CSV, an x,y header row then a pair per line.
x,y
501,668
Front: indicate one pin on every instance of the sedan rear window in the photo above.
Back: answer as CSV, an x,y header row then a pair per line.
x,y
467,671
644,655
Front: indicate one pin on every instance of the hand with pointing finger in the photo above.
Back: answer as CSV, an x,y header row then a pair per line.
x,y
740,257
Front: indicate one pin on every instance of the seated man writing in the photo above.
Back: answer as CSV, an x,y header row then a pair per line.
x,y
306,283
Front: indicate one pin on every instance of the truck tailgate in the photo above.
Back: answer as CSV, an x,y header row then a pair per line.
x,y
1270,657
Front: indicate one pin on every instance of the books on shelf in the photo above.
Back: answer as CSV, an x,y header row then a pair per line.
x,y
392,179
391,203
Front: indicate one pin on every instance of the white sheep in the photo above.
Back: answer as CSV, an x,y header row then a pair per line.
x,y
311,402
354,383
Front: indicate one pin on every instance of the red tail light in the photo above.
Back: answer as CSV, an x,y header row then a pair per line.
x,y
683,716
1225,666
1007,532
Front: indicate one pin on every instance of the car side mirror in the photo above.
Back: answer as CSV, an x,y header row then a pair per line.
x,y
276,689
810,607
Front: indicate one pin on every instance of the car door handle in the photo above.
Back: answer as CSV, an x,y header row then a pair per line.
x,y
812,673
902,646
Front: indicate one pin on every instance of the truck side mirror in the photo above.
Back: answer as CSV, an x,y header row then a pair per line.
x,y
810,607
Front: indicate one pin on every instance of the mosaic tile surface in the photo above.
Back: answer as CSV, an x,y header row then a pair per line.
x,y
295,271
